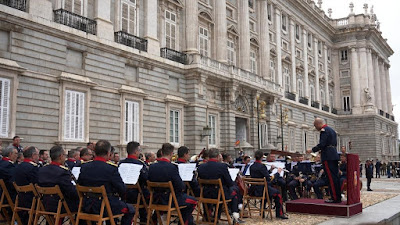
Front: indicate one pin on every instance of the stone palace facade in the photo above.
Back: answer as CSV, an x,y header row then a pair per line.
x,y
200,73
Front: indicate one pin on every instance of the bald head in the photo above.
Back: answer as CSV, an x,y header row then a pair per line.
x,y
318,123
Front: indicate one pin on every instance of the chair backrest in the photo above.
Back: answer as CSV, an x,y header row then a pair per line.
x,y
5,195
209,182
255,182
26,189
43,191
165,186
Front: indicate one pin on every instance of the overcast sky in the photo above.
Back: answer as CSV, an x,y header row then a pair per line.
x,y
388,13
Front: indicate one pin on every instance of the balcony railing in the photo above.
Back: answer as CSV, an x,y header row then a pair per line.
x,y
381,112
334,111
75,21
290,96
16,4
173,55
131,40
303,100
387,115
315,104
325,108
392,118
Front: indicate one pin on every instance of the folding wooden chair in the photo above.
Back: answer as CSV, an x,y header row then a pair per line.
x,y
140,203
217,202
189,190
58,215
25,190
100,192
6,202
247,198
172,205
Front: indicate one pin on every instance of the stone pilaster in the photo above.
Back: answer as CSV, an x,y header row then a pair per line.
x,y
264,39
244,39
388,90
293,55
355,83
305,60
316,66
151,26
192,24
377,83
278,46
383,86
335,71
327,102
363,74
371,82
105,29
221,30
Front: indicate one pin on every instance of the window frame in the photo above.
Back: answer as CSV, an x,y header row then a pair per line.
x,y
232,50
8,118
216,131
206,39
344,55
175,24
297,32
253,61
284,24
263,141
136,16
80,117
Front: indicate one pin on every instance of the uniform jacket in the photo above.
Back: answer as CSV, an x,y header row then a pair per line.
x,y
163,171
7,173
131,194
343,168
370,171
26,173
327,144
215,170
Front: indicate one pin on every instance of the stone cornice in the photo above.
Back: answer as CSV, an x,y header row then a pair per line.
x,y
78,79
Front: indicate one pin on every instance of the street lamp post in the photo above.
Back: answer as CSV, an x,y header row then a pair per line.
x,y
260,113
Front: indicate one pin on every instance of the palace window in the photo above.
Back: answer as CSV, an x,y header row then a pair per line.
x,y
75,6
174,125
263,135
212,123
5,106
74,119
170,30
231,53
131,121
128,16
343,55
253,61
203,41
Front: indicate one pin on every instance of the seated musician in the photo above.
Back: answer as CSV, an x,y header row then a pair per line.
x,y
343,171
246,161
101,172
259,170
184,156
296,178
214,169
227,159
280,181
73,158
54,174
86,155
7,169
26,173
164,171
133,150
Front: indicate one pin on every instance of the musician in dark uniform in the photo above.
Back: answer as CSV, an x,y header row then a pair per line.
x,y
72,161
164,171
343,170
329,157
214,169
102,172
7,169
133,150
259,170
26,173
280,181
54,174
184,156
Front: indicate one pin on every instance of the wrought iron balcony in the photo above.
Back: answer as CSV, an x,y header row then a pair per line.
x,y
130,40
75,21
303,100
381,112
290,96
173,55
325,108
334,111
315,104
387,115
16,4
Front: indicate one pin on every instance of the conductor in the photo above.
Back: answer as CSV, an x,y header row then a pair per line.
x,y
329,157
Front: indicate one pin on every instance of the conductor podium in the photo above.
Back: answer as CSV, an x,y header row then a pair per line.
x,y
347,208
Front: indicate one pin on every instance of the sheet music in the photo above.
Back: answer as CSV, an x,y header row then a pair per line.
x,y
186,171
129,172
277,165
233,172
76,171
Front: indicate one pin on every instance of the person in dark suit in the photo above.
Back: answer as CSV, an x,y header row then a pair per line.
x,y
329,157
7,169
27,173
164,171
259,170
214,169
183,157
369,171
101,172
378,166
343,170
56,173
133,150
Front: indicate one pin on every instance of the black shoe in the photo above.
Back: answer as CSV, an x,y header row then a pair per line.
x,y
333,201
238,221
369,189
282,217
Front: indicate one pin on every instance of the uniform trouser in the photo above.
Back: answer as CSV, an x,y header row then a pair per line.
x,y
282,183
332,172
378,173
190,203
292,188
273,193
317,187
369,182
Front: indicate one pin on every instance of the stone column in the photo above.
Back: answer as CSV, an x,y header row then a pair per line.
x,y
192,24
327,102
244,38
377,84
151,26
102,16
293,55
221,30
355,83
336,77
278,45
305,61
264,39
363,74
383,86
316,62
388,90
371,81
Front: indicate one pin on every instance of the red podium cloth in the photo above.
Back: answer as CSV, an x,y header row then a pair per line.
x,y
353,179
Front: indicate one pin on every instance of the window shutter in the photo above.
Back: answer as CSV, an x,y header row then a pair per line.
x,y
81,116
4,107
173,36
74,122
132,19
78,7
67,121
136,121
68,5
125,16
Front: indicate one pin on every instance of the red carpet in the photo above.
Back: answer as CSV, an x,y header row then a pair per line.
x,y
318,206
